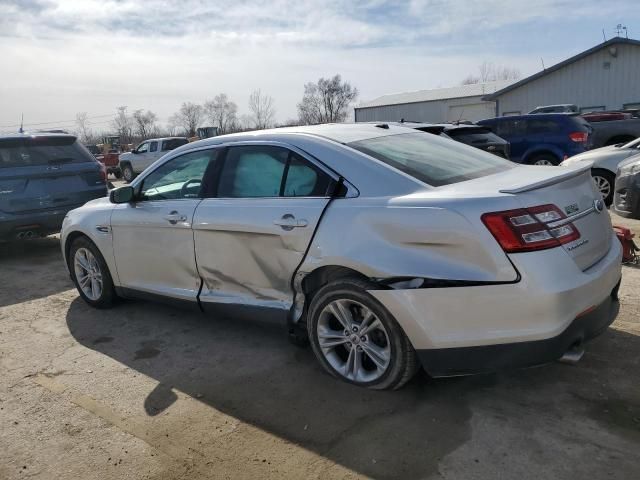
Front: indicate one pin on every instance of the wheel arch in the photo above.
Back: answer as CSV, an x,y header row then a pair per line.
x,y
529,156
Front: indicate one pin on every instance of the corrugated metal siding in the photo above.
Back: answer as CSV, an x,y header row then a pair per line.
x,y
435,111
585,83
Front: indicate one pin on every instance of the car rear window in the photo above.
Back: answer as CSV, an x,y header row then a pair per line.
x,y
37,151
173,143
431,159
474,135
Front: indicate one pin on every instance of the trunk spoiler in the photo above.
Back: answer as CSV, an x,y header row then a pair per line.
x,y
548,181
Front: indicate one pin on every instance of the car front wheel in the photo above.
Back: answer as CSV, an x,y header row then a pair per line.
x,y
127,173
90,273
356,339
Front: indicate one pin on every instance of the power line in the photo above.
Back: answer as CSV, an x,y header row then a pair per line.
x,y
57,122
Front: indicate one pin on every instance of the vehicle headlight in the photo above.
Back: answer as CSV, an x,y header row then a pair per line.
x,y
630,169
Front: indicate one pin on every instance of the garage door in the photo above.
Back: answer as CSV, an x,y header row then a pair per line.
x,y
472,111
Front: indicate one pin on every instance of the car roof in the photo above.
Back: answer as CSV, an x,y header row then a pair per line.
x,y
338,132
14,136
537,116
163,138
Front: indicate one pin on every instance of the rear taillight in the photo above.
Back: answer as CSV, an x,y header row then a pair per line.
x,y
579,137
103,172
529,229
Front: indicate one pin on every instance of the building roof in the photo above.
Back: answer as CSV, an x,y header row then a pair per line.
x,y
461,91
564,63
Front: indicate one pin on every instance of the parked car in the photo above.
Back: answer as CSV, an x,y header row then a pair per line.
x,y
614,132
604,163
627,188
542,138
562,108
42,177
469,134
366,238
134,162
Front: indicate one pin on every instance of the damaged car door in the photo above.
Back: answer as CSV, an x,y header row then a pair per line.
x,y
252,236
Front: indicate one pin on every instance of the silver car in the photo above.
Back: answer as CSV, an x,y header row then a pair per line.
x,y
386,248
604,163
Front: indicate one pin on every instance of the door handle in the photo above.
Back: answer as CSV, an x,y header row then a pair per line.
x,y
289,222
174,217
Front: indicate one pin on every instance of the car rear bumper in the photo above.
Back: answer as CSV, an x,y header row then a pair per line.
x,y
447,362
38,223
626,199
553,293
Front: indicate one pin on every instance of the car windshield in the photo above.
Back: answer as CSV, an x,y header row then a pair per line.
x,y
38,151
431,159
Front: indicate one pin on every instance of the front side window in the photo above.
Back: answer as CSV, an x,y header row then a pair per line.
x,y
179,178
430,159
153,146
143,148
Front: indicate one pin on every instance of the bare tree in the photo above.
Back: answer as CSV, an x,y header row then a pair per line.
x,y
262,109
82,121
122,125
222,113
188,117
326,101
145,123
489,72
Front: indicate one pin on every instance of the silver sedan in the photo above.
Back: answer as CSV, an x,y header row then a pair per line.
x,y
386,248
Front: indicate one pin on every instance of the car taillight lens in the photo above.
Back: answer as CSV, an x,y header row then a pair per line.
x,y
579,137
103,172
528,229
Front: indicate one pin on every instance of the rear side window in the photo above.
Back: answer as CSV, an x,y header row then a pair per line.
x,y
431,159
542,126
38,151
509,128
269,171
173,143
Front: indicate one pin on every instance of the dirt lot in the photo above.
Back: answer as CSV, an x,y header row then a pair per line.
x,y
147,391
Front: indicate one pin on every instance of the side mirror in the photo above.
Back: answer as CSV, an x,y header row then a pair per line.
x,y
135,152
121,194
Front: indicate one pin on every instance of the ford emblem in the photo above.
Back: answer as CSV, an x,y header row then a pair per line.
x,y
598,205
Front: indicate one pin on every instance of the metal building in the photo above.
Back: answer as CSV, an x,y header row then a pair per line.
x,y
464,102
605,77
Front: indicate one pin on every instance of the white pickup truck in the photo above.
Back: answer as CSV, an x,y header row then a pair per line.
x,y
134,162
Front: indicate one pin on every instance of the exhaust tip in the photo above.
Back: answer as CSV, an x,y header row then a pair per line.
x,y
573,355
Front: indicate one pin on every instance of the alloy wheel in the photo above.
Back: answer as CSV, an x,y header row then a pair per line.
x,y
353,340
88,273
603,185
544,162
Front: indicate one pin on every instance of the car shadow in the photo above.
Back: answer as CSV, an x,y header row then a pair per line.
x,y
28,263
248,370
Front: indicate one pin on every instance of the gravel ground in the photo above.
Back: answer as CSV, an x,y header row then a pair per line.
x,y
148,391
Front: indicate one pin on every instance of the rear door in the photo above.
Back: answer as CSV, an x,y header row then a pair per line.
x,y
251,237
47,172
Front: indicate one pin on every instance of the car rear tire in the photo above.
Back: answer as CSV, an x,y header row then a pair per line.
x,y
605,182
118,174
90,273
356,339
127,173
544,159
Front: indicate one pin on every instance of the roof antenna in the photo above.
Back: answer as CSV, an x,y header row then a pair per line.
x,y
542,61
21,123
604,37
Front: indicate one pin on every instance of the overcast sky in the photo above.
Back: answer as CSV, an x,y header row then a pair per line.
x,y
61,57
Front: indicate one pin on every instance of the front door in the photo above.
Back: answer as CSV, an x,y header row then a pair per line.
x,y
250,238
152,236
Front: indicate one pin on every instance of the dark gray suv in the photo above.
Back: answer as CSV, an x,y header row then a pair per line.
x,y
42,177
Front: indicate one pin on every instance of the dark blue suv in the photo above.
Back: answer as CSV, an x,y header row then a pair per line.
x,y
42,177
542,139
